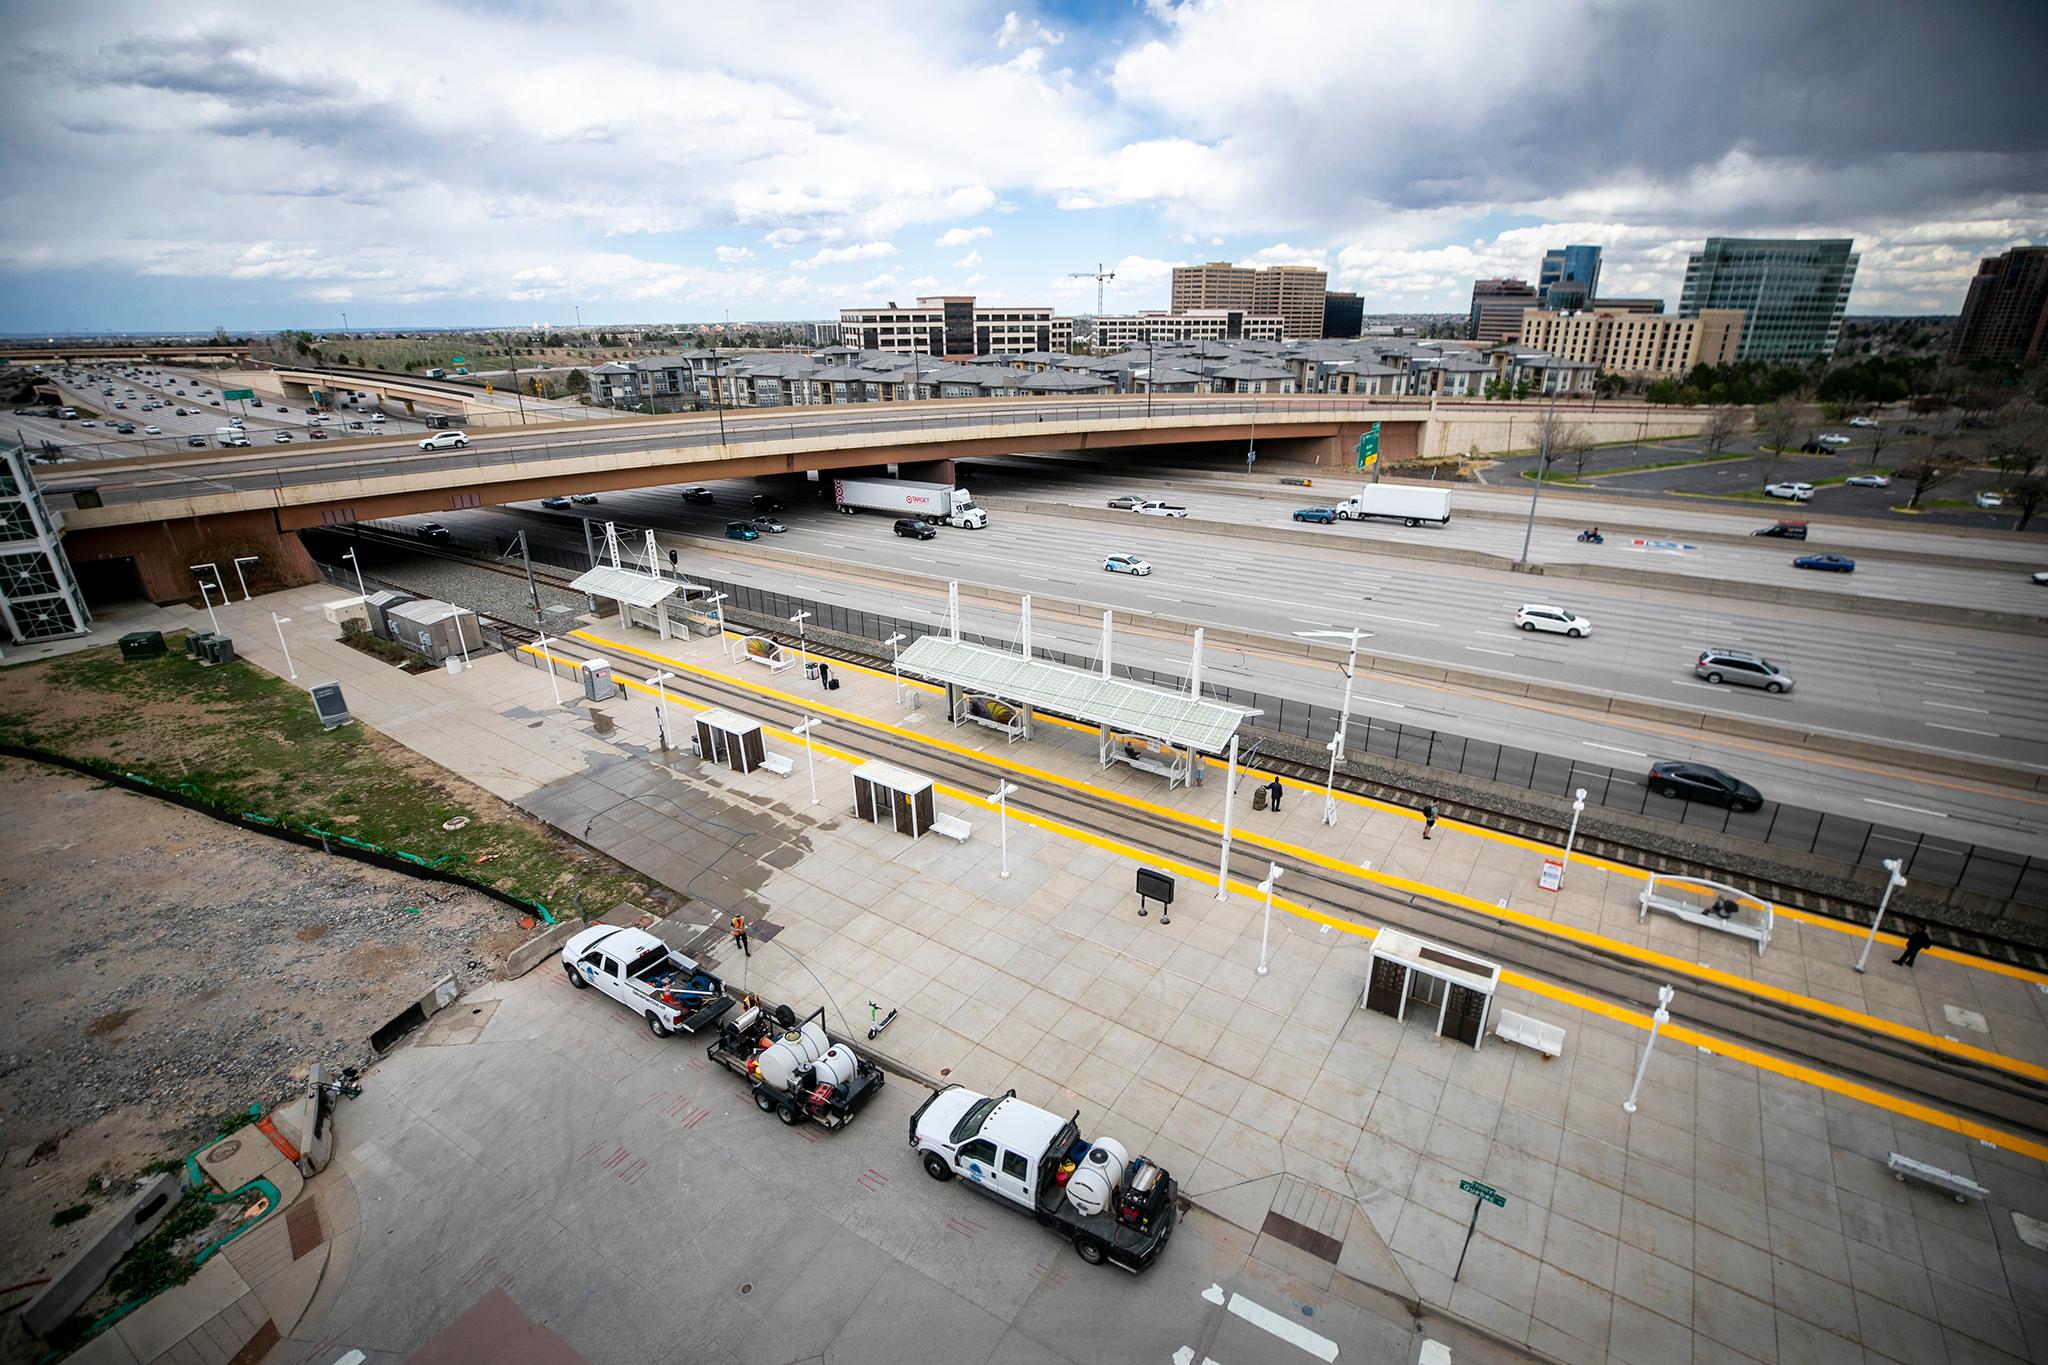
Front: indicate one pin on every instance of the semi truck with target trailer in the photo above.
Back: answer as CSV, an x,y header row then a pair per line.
x,y
794,1069
1114,1210
938,503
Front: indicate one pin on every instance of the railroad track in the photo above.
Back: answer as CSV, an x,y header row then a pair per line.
x,y
1964,1087
1787,894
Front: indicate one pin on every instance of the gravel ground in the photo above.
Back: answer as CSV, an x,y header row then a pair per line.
x,y
480,590
164,969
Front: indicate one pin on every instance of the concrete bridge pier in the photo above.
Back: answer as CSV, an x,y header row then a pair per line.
x,y
163,552
929,471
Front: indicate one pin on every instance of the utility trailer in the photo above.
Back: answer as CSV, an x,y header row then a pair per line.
x,y
794,1069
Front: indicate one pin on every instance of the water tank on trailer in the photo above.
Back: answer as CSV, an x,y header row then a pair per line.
x,y
836,1067
792,1052
1093,1183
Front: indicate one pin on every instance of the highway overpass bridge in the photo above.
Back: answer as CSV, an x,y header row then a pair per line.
x,y
159,353
414,391
157,511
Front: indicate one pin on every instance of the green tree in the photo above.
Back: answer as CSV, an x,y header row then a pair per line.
x,y
578,382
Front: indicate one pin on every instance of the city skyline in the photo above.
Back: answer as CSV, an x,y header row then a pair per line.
x,y
228,168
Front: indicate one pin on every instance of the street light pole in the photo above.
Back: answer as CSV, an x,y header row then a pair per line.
x,y
350,556
802,648
894,672
1265,930
1578,809
1002,800
1657,1021
553,686
1230,786
206,596
718,613
1542,463
242,578
1893,881
718,384
661,692
281,622
804,728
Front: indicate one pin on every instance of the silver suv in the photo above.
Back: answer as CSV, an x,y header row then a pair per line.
x,y
1735,666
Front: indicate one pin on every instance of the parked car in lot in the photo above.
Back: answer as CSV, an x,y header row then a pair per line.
x,y
698,493
1719,665
558,504
1990,502
1862,422
1559,620
915,529
1322,515
1869,481
1797,492
769,525
1125,502
445,440
740,530
1826,563
1129,564
1834,438
668,990
1698,782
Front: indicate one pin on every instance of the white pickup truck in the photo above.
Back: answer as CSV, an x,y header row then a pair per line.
x,y
1153,507
645,975
1090,1192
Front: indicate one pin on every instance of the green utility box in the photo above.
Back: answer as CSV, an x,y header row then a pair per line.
x,y
143,644
195,643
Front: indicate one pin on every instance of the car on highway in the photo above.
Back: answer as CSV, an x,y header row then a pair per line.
x,y
1698,782
199,441
1862,422
152,431
1153,507
377,417
1990,502
126,428
769,525
1125,502
1869,481
433,530
282,438
1558,620
1129,564
1826,563
915,529
697,492
445,440
88,422
559,504
2041,577
316,434
1797,492
1739,666
1833,438
280,407
355,426
766,502
586,499
1323,515
740,530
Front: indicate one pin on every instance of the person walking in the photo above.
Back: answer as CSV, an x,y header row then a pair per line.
x,y
1273,795
1915,941
1428,819
739,934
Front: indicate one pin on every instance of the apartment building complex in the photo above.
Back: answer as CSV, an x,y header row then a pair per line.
x,y
1292,293
1497,307
1792,292
2005,314
954,327
1199,324
1638,345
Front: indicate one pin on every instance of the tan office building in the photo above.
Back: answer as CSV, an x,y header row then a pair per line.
x,y
1636,345
1292,293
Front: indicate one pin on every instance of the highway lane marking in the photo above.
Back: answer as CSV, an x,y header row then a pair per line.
x,y
1953,706
1940,668
1954,687
1923,649
1616,947
1480,649
1917,810
1404,620
1266,1320
1959,729
1612,749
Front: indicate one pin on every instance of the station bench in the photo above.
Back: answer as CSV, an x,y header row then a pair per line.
x,y
1754,921
953,827
1547,1039
780,764
1961,1186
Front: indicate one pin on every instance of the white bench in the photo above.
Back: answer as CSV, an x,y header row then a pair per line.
x,y
1547,1039
780,764
1961,1186
953,827
1752,920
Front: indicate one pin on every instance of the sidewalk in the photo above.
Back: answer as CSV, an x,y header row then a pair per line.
x,y
1739,1215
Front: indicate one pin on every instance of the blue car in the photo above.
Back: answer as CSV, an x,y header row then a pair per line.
x,y
1325,515
1826,563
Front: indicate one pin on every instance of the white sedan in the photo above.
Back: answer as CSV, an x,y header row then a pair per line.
x,y
152,431
1129,564
446,440
1562,620
1862,422
1834,438
1869,481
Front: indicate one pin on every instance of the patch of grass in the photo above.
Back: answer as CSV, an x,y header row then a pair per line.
x,y
154,1266
63,1218
243,740
412,661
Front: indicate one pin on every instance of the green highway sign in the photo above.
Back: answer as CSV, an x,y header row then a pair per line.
x,y
1369,447
461,360
1486,1192
245,395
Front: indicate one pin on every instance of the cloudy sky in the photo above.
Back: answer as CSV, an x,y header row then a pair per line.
x,y
267,164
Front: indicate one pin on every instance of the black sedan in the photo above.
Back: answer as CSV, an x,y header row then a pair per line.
x,y
1698,782
1826,563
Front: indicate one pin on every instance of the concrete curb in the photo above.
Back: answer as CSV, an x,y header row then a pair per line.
x,y
537,949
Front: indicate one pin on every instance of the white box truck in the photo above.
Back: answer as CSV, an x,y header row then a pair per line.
x,y
231,436
934,502
1410,506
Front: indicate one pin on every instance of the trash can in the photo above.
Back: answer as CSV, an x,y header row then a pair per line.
x,y
811,671
597,679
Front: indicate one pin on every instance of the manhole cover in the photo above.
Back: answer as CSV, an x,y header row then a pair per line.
x,y
747,1288
225,1150
457,823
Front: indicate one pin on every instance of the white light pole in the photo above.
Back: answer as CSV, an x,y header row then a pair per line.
x,y
206,591
1893,881
1265,930
661,692
553,686
242,578
804,728
350,556
1002,800
462,640
1330,783
802,648
1657,1021
195,568
1578,809
281,622
892,642
1229,786
718,615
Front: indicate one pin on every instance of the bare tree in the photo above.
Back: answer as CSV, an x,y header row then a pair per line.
x,y
1777,422
1572,442
2019,442
1880,437
1722,424
1924,472
2026,494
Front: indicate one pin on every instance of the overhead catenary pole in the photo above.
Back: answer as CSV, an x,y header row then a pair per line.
x,y
553,686
1542,464
1229,789
661,693
1335,746
1893,881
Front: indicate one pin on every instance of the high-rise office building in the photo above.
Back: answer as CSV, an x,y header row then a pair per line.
x,y
2005,314
1292,293
1343,314
954,327
1792,292
1574,264
1497,309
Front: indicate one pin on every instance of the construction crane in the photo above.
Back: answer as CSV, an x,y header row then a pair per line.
x,y
1101,278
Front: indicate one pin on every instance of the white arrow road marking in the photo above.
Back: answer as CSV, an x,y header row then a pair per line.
x,y
1214,1294
1186,1356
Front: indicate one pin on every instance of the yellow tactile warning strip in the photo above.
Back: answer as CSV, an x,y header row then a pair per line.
x,y
1763,1061
1295,852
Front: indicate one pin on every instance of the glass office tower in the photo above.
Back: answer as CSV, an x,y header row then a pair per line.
x,y
1792,292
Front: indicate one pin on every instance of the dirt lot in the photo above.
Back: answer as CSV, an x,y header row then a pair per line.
x,y
162,970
